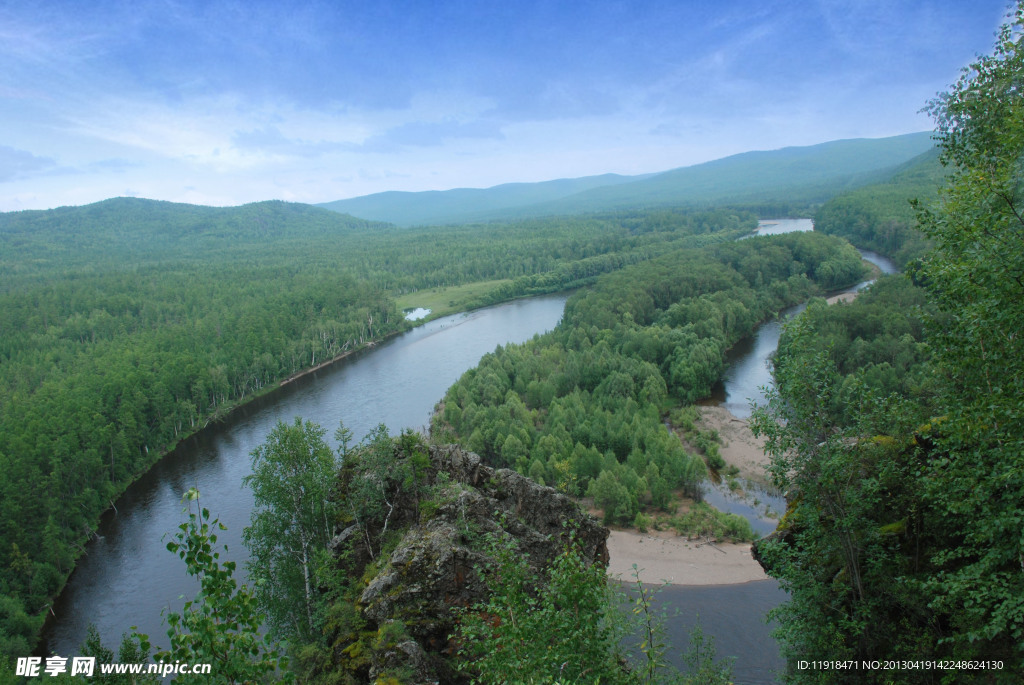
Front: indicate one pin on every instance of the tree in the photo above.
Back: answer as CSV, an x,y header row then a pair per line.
x,y
221,626
568,623
565,632
130,652
902,539
847,542
976,276
293,520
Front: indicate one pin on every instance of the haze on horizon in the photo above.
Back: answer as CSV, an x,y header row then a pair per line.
x,y
225,103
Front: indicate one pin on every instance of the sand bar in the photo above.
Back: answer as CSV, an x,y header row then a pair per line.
x,y
739,447
666,557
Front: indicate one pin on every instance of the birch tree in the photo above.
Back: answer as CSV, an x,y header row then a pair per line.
x,y
292,519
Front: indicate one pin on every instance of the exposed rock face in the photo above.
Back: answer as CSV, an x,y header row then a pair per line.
x,y
419,585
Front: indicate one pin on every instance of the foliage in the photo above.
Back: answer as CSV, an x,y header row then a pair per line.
x,y
128,324
292,521
569,626
17,628
221,626
703,520
877,343
581,408
976,277
853,528
562,632
131,651
881,217
383,479
903,534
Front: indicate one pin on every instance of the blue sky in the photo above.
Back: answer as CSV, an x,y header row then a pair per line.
x,y
223,103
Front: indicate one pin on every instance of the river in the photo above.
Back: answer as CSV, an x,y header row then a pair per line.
x,y
128,578
747,374
747,369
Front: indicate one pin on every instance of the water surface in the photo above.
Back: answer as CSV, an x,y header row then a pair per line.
x,y
127,577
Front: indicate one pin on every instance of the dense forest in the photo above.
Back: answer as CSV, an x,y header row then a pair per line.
x,y
130,324
583,408
897,431
881,217
896,428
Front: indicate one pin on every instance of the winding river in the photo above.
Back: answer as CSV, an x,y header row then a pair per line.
x,y
734,614
128,578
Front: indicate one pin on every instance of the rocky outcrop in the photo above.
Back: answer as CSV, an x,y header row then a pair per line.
x,y
410,594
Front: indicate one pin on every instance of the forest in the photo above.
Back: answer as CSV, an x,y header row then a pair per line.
x,y
896,427
582,408
879,217
130,324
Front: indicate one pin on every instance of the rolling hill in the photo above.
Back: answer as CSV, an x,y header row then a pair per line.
x,y
803,175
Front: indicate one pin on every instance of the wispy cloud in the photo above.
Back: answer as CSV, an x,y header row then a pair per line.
x,y
314,101
16,164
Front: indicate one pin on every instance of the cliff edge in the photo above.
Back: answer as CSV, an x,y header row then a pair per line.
x,y
413,553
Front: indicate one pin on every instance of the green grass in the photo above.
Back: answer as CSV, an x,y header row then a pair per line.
x,y
448,300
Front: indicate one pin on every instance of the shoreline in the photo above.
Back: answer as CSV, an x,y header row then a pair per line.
x,y
664,557
218,416
738,446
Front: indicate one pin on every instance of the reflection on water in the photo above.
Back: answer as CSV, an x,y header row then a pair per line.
x,y
753,501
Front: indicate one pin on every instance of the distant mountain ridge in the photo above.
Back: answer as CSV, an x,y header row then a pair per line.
x,y
810,174
461,205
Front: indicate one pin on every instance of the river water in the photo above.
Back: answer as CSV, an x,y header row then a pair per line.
x,y
128,578
747,374
747,369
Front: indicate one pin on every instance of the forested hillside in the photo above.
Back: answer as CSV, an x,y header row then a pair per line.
x,y
128,324
881,217
583,408
897,428
466,205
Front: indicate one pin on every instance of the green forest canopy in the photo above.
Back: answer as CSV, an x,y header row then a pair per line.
x,y
898,426
128,324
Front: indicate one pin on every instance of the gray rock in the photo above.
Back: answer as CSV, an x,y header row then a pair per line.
x,y
413,599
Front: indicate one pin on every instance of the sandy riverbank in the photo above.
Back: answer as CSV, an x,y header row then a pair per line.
x,y
739,447
666,557
842,297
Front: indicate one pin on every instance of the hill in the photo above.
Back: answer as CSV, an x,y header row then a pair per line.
x,y
139,231
464,205
880,216
771,181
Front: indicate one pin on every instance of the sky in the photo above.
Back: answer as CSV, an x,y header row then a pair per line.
x,y
225,103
